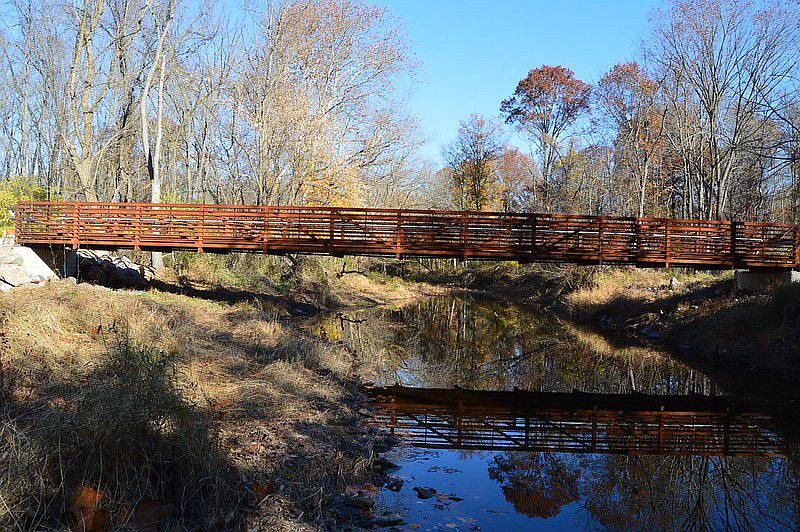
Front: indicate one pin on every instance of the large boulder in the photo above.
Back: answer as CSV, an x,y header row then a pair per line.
x,y
20,265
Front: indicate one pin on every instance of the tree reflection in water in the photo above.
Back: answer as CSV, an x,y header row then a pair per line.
x,y
537,484
489,345
456,341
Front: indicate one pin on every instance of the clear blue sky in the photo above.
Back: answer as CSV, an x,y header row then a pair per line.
x,y
473,52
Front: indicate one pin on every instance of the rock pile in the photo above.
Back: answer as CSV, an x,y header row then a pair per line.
x,y
101,267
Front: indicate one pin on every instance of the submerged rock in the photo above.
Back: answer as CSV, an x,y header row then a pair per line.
x,y
424,493
388,519
383,465
394,484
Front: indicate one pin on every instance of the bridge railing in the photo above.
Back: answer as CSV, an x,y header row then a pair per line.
x,y
410,233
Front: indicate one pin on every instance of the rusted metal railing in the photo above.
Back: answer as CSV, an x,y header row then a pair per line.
x,y
524,237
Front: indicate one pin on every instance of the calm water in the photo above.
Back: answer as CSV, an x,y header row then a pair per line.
x,y
558,484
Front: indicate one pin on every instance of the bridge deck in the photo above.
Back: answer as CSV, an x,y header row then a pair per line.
x,y
410,233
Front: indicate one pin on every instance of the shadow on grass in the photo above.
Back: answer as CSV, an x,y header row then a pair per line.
x,y
117,447
232,296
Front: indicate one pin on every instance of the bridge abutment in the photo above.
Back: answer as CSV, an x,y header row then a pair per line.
x,y
764,280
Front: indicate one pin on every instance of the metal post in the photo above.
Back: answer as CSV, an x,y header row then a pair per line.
x,y
330,232
265,233
75,216
137,221
398,236
464,236
600,239
200,230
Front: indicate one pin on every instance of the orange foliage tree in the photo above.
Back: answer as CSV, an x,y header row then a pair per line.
x,y
544,105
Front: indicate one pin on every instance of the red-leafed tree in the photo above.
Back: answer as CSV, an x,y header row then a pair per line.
x,y
545,104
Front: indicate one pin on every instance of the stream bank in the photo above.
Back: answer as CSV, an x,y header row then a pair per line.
x,y
191,404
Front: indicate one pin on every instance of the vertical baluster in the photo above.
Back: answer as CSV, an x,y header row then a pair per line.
x,y
667,244
398,236
200,229
265,233
464,236
600,239
75,217
137,222
331,214
797,246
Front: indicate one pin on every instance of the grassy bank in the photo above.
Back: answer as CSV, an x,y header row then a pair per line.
x,y
749,341
205,404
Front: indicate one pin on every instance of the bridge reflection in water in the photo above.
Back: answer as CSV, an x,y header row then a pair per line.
x,y
577,422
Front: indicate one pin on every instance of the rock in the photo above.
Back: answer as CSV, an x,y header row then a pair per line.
x,y
21,265
394,484
424,493
673,282
360,502
7,256
101,267
650,333
382,465
14,275
388,519
298,309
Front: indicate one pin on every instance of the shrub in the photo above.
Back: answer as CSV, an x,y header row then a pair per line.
x,y
14,190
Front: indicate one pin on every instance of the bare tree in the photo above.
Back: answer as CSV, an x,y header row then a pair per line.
x,y
724,63
470,162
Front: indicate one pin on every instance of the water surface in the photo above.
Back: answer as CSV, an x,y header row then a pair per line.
x,y
580,460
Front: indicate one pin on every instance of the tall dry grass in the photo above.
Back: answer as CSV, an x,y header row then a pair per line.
x,y
215,414
122,430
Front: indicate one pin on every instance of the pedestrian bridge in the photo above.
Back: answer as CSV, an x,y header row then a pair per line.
x,y
524,237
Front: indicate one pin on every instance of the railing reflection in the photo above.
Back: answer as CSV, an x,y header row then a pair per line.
x,y
574,422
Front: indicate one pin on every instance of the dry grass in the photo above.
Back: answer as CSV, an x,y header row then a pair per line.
x,y
327,282
625,293
225,415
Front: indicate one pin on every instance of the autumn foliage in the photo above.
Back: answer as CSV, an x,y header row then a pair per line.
x,y
548,100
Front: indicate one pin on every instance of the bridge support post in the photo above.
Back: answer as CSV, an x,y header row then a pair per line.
x,y
764,280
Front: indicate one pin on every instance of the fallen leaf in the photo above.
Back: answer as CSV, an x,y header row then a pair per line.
x,y
85,507
220,408
367,489
262,490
